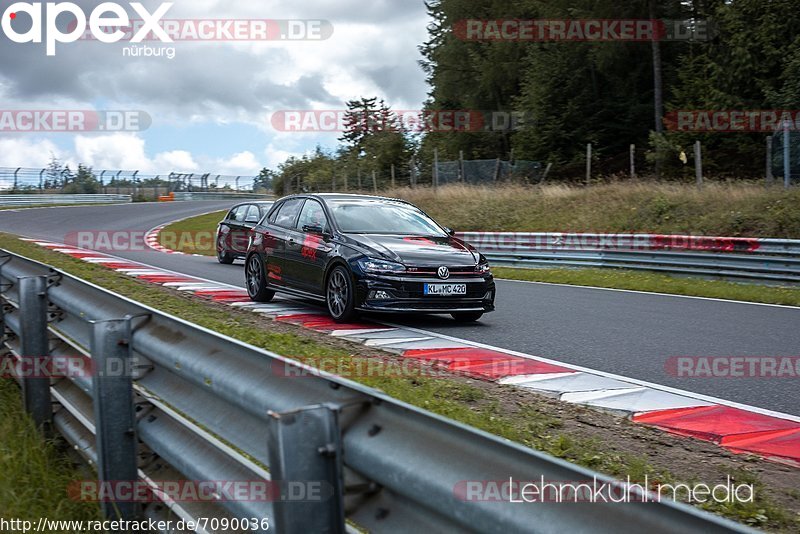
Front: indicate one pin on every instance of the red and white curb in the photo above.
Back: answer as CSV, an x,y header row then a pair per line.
x,y
736,427
151,240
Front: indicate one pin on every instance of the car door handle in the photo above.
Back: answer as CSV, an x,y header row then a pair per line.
x,y
291,240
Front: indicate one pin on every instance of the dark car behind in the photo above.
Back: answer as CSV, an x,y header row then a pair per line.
x,y
234,230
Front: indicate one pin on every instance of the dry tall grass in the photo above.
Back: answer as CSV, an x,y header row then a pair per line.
x,y
730,209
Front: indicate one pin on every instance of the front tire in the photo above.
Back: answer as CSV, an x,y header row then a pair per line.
x,y
340,295
467,317
256,280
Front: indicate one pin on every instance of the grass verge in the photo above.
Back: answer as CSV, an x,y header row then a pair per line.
x,y
196,235
579,435
35,473
719,209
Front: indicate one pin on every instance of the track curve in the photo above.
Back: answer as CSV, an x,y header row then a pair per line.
x,y
626,333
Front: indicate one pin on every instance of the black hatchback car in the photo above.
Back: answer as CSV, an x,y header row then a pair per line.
x,y
363,253
233,231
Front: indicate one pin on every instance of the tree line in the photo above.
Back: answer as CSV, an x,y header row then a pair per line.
x,y
611,94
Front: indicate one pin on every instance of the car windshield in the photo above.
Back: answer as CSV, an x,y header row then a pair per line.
x,y
381,217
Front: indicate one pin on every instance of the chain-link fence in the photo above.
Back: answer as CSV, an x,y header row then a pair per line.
x,y
140,185
358,178
488,171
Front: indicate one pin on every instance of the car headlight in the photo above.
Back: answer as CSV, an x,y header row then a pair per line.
x,y
372,265
483,267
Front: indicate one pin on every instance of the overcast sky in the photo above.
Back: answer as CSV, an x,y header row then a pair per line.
x,y
211,105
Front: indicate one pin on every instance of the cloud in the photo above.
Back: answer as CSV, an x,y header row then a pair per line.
x,y
373,51
177,160
243,163
115,151
33,153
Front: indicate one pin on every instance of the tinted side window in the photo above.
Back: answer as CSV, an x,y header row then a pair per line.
x,y
253,215
274,214
288,213
313,215
238,213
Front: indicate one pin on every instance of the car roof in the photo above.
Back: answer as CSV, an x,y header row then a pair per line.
x,y
344,196
252,202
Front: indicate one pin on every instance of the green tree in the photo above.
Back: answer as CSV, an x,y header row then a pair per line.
x,y
83,183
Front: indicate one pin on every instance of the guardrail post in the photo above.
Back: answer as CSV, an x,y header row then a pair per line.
x,y
305,462
114,412
35,345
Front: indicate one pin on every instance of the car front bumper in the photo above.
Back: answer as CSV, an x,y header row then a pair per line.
x,y
406,295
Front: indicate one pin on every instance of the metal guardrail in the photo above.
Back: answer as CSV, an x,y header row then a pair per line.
x,y
762,260
43,200
221,196
197,405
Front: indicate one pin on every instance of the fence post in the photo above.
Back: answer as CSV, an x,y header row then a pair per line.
x,y
546,172
237,184
374,182
461,176
698,163
769,176
633,162
358,175
114,412
588,163
393,177
305,448
116,180
413,176
435,177
35,346
15,178
787,160
333,182
135,184
41,180
497,169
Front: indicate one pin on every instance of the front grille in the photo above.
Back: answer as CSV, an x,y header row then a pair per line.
x,y
433,272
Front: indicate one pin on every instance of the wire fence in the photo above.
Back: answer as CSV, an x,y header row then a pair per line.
x,y
352,177
139,185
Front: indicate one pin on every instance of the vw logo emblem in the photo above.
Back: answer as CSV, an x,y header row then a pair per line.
x,y
444,273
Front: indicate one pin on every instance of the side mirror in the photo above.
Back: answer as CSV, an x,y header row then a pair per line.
x,y
450,231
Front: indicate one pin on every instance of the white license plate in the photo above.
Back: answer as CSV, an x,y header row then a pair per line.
x,y
445,290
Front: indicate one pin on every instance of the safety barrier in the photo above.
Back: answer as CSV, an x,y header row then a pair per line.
x,y
764,260
194,405
43,200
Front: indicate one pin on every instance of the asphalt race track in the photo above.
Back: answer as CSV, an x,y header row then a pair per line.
x,y
626,333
